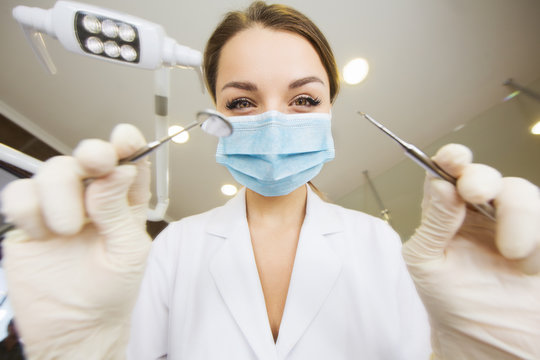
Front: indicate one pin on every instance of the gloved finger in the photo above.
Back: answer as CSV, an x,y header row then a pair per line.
x,y
479,183
126,239
442,215
518,218
96,157
476,183
20,205
139,191
127,139
531,264
107,206
60,193
453,158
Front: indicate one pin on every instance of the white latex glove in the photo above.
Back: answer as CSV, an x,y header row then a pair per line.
x,y
478,279
73,281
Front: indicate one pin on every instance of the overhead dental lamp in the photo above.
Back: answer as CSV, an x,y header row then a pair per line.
x,y
122,39
103,34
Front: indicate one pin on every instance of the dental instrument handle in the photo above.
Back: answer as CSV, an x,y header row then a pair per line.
x,y
433,168
425,161
419,157
151,146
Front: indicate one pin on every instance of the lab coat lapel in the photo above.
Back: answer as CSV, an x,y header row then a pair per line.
x,y
235,274
316,269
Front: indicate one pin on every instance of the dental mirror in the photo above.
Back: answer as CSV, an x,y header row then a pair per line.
x,y
214,123
210,121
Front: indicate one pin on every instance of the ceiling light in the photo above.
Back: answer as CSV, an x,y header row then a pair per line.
x,y
355,71
229,189
535,130
180,138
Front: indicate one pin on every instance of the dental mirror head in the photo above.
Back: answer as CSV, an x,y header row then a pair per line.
x,y
210,121
214,123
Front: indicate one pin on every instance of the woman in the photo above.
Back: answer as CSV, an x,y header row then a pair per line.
x,y
222,285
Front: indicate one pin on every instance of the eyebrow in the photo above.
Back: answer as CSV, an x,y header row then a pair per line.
x,y
303,81
242,85
249,86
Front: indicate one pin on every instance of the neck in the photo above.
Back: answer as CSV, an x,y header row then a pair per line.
x,y
283,210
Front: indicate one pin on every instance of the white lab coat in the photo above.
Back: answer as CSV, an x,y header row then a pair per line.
x,y
350,296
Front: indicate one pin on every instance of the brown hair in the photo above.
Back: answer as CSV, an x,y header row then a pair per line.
x,y
277,17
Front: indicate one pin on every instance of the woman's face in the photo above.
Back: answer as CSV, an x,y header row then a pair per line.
x,y
262,69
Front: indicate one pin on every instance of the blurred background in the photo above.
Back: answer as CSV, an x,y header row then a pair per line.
x,y
436,73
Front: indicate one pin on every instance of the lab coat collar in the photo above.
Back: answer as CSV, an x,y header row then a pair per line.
x,y
316,269
228,216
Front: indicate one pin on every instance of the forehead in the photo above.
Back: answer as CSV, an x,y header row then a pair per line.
x,y
260,54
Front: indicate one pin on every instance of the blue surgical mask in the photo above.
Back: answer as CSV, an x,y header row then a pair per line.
x,y
274,153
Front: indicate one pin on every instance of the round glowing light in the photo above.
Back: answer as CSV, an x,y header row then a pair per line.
x,y
535,130
94,45
229,189
91,24
109,28
355,71
180,138
126,33
112,49
128,53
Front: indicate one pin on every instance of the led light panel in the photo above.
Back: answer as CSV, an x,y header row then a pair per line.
x,y
106,37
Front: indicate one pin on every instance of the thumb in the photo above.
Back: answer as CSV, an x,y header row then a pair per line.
x,y
443,212
108,207
127,139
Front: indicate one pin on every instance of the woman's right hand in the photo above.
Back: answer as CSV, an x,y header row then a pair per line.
x,y
76,259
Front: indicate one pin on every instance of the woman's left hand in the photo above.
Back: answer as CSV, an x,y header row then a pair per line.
x,y
479,279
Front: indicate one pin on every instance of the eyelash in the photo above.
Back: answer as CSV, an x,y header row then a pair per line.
x,y
234,104
311,101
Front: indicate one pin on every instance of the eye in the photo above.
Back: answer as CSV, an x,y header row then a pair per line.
x,y
240,103
305,100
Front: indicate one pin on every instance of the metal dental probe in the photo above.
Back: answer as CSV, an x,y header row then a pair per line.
x,y
153,145
425,162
